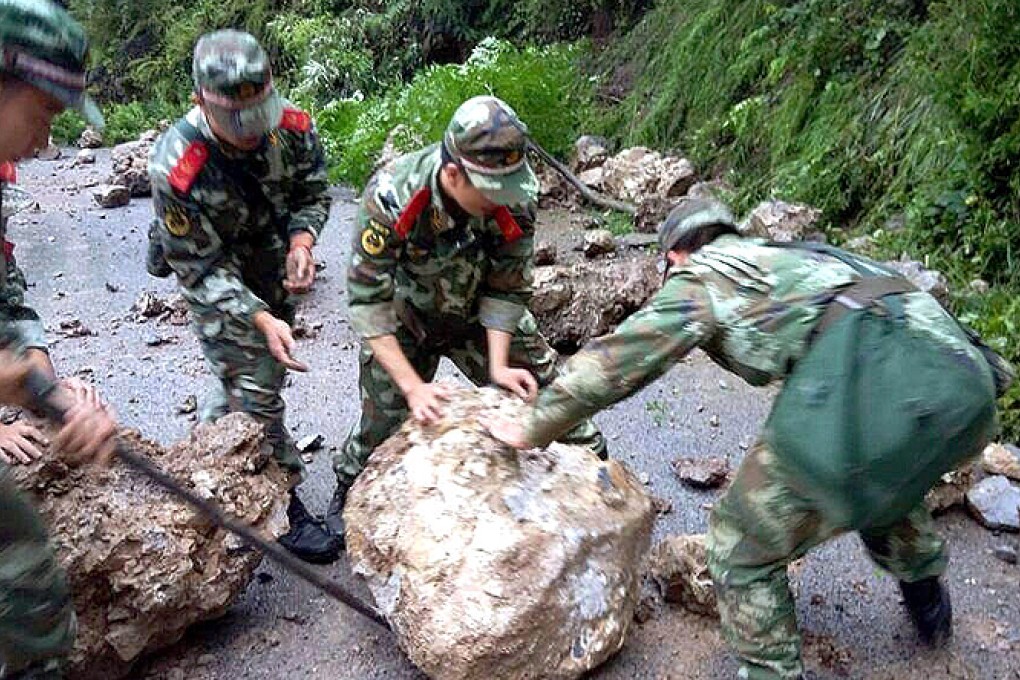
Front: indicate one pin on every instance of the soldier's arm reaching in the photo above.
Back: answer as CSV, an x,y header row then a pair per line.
x,y
309,204
614,366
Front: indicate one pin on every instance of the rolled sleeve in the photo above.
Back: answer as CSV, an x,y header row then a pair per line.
x,y
500,315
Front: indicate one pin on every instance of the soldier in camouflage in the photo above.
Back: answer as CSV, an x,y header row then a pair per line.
x,y
753,308
441,265
240,193
42,71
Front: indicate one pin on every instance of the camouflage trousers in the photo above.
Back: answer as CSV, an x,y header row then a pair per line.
x,y
37,623
761,525
250,380
384,409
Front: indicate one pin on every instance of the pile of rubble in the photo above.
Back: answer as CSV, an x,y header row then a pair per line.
x,y
140,578
130,176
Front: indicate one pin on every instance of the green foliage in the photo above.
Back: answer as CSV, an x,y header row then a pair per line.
x,y
67,127
540,83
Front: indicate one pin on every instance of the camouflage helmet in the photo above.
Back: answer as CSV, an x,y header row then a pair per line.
x,y
691,214
42,45
488,140
234,80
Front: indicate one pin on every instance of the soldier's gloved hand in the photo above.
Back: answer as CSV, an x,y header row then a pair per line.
x,y
516,380
88,434
279,339
425,401
300,269
19,443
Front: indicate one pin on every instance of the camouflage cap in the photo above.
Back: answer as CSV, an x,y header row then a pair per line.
x,y
691,214
234,79
488,140
42,45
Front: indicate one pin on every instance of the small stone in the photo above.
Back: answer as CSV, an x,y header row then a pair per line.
x,y
52,152
74,328
545,254
90,139
714,421
599,242
995,503
85,157
663,506
111,195
702,473
1001,460
679,565
112,287
644,478
590,152
310,442
1005,553
979,286
189,405
155,340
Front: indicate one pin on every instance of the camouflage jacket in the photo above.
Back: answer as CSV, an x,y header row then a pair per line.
x,y
749,306
410,254
226,215
13,310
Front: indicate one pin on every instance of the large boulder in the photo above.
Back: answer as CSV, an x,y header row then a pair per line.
x,y
576,303
783,222
637,174
589,152
491,563
131,167
930,281
142,565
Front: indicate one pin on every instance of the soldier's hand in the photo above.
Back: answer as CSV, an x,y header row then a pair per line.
x,y
510,432
83,393
300,269
516,380
88,434
426,401
19,443
279,339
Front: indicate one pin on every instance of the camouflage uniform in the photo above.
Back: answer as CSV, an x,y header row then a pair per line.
x,y
44,47
425,271
225,218
752,308
13,309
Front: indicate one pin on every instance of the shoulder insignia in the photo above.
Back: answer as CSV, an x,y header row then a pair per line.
x,y
177,223
296,120
508,225
373,238
8,172
184,173
8,250
414,208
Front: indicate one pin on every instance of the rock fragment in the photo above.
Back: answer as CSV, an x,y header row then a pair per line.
x,y
111,195
995,503
702,473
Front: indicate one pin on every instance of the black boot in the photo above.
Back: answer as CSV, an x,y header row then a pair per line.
x,y
307,538
335,513
930,610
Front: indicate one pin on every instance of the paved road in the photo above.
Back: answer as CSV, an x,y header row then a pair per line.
x,y
88,263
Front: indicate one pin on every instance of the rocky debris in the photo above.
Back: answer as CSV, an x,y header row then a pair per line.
x,y
576,303
702,473
783,222
143,566
85,157
189,405
998,459
637,173
1005,553
90,138
598,242
589,152
554,190
679,566
310,442
929,280
74,328
305,329
951,491
651,212
638,241
492,563
51,152
131,166
111,195
715,188
995,503
545,254
173,310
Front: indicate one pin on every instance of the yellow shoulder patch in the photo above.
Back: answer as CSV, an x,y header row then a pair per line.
x,y
177,222
373,239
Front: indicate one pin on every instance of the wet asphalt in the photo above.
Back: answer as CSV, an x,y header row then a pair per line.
x,y
87,263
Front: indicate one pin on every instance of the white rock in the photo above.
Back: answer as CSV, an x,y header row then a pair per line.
x,y
111,195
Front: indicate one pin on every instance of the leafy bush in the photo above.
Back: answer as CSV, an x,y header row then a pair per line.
x,y
540,83
67,127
